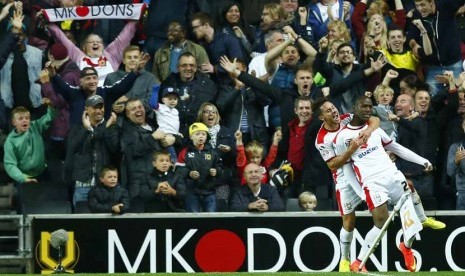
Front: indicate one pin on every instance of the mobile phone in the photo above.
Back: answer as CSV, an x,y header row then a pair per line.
x,y
222,146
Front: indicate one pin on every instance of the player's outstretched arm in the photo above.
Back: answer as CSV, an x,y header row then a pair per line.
x,y
408,155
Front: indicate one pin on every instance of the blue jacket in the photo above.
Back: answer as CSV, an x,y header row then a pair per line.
x,y
319,27
33,57
76,97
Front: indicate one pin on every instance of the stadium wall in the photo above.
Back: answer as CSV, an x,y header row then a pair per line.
x,y
225,242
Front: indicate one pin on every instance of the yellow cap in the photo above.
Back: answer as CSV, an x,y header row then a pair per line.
x,y
197,127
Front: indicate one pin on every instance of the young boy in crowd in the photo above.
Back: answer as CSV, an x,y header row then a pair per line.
x,y
200,165
108,196
166,113
384,95
24,157
163,190
253,153
307,201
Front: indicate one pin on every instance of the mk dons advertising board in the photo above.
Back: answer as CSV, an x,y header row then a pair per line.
x,y
249,243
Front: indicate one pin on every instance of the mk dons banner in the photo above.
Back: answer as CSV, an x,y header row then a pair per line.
x,y
233,242
126,11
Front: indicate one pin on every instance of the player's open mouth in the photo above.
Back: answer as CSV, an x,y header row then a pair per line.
x,y
305,86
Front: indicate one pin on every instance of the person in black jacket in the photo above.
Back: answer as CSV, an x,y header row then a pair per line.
x,y
194,89
242,109
90,147
108,196
201,167
255,197
163,190
139,139
440,25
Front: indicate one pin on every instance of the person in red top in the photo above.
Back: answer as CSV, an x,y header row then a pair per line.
x,y
293,146
253,153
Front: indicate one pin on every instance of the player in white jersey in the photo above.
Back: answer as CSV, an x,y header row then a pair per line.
x,y
382,182
349,193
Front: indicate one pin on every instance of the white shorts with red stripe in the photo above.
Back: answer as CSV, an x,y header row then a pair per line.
x,y
349,193
386,187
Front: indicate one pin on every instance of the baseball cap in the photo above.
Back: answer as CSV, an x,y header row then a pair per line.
x,y
197,127
169,90
94,100
85,72
58,51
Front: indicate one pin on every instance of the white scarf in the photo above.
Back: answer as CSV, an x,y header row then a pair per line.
x,y
126,11
213,131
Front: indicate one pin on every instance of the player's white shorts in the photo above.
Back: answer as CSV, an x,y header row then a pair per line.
x,y
386,187
349,192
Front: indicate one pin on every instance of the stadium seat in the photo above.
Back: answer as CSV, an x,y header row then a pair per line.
x,y
48,197
292,205
82,207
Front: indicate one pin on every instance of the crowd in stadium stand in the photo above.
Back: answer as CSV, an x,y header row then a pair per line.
x,y
151,115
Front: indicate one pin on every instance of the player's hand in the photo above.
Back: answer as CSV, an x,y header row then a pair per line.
x,y
364,135
428,167
355,144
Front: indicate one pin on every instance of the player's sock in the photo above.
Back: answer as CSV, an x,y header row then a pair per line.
x,y
345,239
418,206
409,242
369,239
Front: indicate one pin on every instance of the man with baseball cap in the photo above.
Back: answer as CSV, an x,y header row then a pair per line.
x,y
90,147
88,86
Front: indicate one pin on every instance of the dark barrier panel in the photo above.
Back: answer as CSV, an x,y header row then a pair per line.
x,y
233,242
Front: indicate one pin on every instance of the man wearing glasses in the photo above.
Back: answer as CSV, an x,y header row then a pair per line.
x,y
194,89
346,77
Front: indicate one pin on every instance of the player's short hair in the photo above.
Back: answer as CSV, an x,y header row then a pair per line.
x,y
130,48
316,106
302,99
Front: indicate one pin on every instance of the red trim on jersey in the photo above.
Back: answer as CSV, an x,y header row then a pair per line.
x,y
334,173
343,116
320,137
370,204
349,126
322,133
338,198
335,137
386,143
357,173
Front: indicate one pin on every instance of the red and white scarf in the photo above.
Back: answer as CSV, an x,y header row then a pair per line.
x,y
126,11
